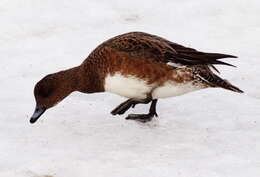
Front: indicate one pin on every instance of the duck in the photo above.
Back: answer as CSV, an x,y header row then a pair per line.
x,y
139,66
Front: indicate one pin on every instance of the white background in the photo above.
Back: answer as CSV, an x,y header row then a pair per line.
x,y
208,133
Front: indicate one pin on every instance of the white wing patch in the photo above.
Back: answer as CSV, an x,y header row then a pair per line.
x,y
176,65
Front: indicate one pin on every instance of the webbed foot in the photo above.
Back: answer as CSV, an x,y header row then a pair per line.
x,y
141,117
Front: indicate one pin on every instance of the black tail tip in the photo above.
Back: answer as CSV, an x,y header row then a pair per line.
x,y
232,56
236,89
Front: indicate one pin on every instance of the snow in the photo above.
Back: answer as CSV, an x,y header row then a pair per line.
x,y
211,132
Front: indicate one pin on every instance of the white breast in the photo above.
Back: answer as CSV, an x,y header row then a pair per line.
x,y
127,86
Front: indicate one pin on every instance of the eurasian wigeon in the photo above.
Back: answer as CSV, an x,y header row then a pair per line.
x,y
136,65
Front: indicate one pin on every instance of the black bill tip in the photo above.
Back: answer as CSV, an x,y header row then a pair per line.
x,y
37,114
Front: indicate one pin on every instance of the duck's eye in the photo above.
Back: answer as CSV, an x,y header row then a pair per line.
x,y
45,91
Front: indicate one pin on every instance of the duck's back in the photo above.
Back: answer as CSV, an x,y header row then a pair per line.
x,y
142,62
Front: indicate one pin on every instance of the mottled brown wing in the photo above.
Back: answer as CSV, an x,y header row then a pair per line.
x,y
161,50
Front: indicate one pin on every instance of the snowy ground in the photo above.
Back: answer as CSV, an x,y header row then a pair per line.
x,y
209,133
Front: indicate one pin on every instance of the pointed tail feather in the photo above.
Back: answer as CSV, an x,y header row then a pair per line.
x,y
213,80
231,87
219,82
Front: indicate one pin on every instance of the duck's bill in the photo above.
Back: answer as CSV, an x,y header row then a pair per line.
x,y
37,114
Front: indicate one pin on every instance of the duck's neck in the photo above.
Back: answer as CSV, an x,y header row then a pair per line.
x,y
80,79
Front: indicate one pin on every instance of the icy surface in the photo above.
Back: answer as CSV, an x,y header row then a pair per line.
x,y
208,133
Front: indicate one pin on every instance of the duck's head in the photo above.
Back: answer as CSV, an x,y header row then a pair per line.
x,y
48,92
53,88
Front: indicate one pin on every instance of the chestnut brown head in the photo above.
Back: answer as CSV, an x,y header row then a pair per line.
x,y
48,92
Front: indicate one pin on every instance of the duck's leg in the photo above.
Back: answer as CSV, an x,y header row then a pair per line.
x,y
123,107
145,117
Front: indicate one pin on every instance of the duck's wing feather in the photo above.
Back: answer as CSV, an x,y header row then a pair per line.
x,y
139,44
